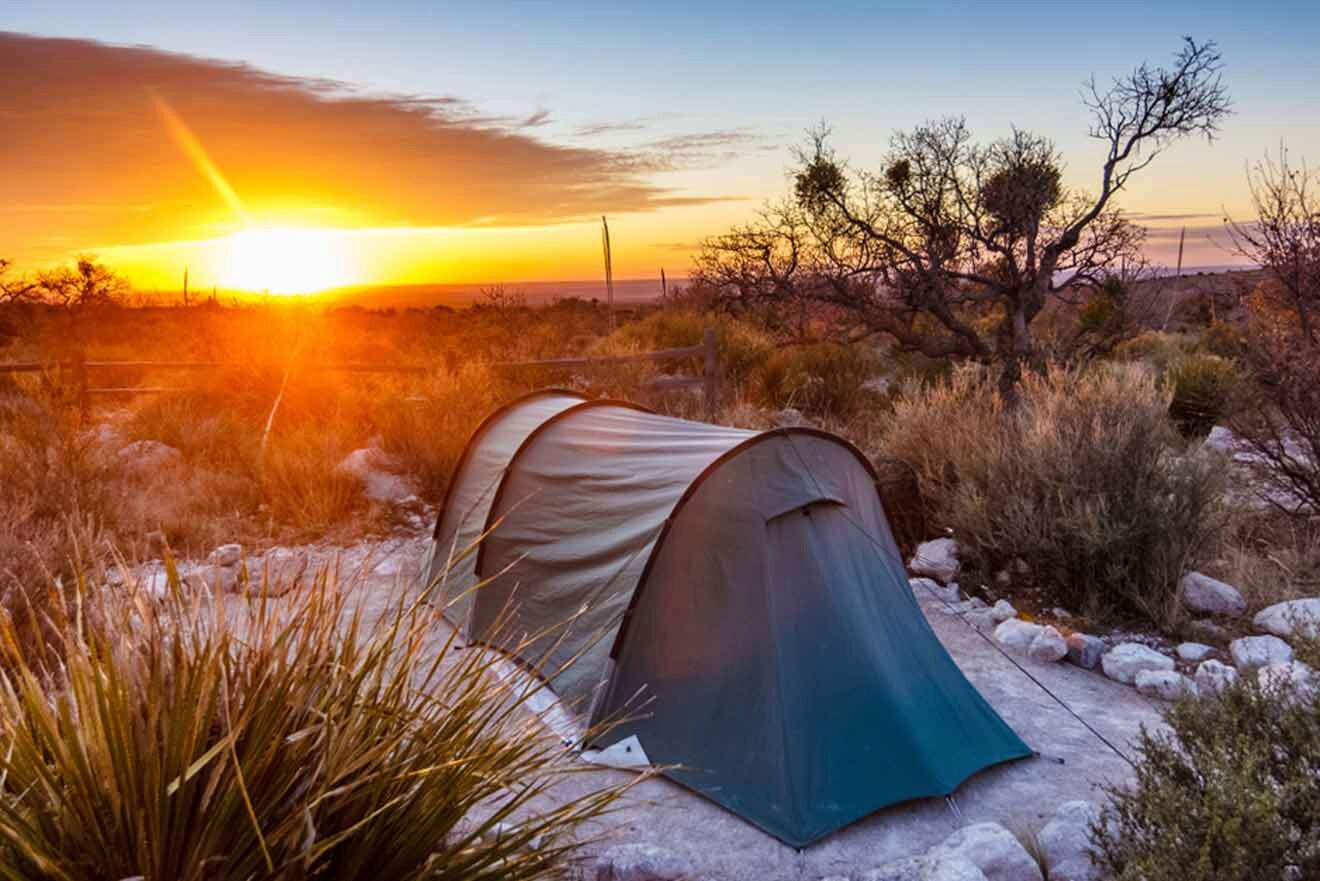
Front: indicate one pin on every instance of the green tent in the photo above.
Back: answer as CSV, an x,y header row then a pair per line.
x,y
735,596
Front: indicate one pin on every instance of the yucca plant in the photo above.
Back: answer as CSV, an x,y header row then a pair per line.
x,y
196,737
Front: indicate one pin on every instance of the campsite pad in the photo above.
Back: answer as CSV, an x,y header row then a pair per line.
x,y
723,847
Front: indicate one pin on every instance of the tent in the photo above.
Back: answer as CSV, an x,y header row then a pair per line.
x,y
735,597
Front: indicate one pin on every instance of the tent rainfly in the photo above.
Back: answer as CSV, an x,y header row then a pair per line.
x,y
735,597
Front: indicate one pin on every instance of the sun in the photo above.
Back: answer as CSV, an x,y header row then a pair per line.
x,y
285,260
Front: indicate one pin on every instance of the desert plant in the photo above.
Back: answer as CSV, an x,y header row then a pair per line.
x,y
1202,391
742,348
187,738
821,378
1228,793
1086,481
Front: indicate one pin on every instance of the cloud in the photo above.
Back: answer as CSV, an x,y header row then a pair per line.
x,y
86,155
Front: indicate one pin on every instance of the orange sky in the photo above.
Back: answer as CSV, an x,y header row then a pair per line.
x,y
157,160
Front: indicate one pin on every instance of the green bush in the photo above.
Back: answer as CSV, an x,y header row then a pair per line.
x,y
742,348
826,379
188,739
1202,389
1159,350
1084,481
1230,793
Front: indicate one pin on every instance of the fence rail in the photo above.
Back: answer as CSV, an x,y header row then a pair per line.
x,y
707,351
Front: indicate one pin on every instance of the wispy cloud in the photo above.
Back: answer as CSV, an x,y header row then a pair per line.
x,y
83,140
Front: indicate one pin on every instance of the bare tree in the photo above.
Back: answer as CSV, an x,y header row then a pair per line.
x,y
86,283
954,247
1285,236
15,290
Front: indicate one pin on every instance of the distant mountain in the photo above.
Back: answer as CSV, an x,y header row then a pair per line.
x,y
629,290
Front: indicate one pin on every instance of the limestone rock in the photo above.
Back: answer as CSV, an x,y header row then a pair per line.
x,y
1167,685
992,849
789,418
906,869
953,869
1293,678
641,862
226,555
1048,646
375,470
1085,650
929,587
982,619
1018,635
938,559
1212,677
1194,652
1066,842
1251,652
149,455
1123,662
1002,610
1291,617
1206,595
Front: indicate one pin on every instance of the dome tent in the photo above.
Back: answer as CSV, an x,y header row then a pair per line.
x,y
745,585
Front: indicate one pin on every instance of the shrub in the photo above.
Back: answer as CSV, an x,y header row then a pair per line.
x,y
742,348
1084,481
821,378
1202,389
187,739
1229,793
1158,349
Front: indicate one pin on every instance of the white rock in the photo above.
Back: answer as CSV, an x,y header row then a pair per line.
x,y
992,849
789,418
149,455
905,869
1222,440
226,555
938,559
1206,595
1212,677
373,468
1123,662
1251,652
1085,650
1194,652
982,619
1048,646
1017,635
952,869
1287,618
929,587
1066,842
641,862
1293,678
1002,610
1167,685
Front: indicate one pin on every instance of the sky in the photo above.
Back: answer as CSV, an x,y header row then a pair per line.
x,y
481,142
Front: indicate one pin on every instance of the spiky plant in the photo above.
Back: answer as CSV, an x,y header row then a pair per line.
x,y
197,737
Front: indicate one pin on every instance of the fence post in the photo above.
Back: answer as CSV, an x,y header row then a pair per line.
x,y
711,373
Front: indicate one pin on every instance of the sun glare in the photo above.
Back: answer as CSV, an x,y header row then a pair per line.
x,y
285,260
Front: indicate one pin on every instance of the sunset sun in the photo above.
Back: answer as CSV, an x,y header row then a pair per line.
x,y
285,260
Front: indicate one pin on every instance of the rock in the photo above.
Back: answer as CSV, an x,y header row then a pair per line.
x,y
282,568
1061,613
938,559
1066,842
992,849
641,862
929,587
373,468
1002,578
1085,650
226,555
1222,440
149,455
1167,685
1206,595
1251,652
906,869
1291,617
1194,652
1293,678
1048,646
1002,610
1017,635
953,869
1123,662
1212,677
789,418
1205,630
982,619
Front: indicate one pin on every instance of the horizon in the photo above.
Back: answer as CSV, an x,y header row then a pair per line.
x,y
255,163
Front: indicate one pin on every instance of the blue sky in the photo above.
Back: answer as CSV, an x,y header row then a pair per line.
x,y
619,75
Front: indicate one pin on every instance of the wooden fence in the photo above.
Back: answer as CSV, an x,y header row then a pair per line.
x,y
76,372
